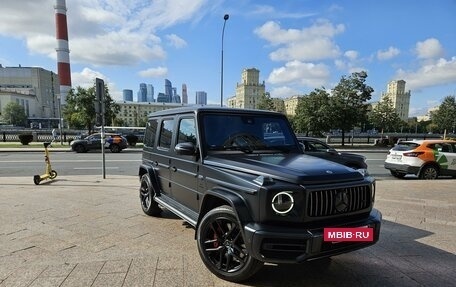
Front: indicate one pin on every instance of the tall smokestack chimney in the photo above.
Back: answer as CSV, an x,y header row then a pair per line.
x,y
63,52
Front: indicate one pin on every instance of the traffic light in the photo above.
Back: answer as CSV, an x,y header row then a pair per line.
x,y
99,101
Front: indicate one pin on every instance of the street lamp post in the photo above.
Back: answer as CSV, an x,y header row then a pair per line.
x,y
221,77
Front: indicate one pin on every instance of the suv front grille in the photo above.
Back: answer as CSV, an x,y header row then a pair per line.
x,y
338,201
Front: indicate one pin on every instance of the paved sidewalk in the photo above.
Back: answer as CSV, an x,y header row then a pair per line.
x,y
89,231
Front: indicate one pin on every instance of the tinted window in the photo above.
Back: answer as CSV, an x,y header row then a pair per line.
x,y
166,133
403,146
151,131
221,131
187,131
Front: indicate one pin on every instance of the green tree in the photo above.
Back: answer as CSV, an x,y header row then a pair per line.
x,y
312,113
348,103
384,116
445,117
79,110
14,114
265,102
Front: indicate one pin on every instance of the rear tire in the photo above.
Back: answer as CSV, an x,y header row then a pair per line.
x,y
115,148
397,174
146,196
429,172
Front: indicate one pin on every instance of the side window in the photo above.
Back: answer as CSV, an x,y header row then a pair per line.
x,y
166,133
187,131
446,147
151,131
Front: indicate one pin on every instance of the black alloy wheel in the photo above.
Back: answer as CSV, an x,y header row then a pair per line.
x,y
222,248
146,196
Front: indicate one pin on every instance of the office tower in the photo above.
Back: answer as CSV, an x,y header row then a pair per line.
x,y
127,95
201,98
63,51
162,98
150,93
168,90
184,94
142,93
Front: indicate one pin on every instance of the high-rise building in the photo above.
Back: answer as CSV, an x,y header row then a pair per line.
x,y
201,98
162,98
127,95
184,94
150,93
142,93
399,97
248,91
168,90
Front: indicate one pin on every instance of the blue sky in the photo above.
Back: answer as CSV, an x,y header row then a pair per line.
x,y
298,45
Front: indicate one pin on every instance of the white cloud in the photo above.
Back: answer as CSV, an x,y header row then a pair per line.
x,y
308,44
429,49
176,41
283,92
351,55
154,72
305,74
439,72
388,54
270,12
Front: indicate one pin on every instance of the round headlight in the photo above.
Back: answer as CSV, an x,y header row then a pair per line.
x,y
282,202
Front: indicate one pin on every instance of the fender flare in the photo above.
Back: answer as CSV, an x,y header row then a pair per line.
x,y
146,169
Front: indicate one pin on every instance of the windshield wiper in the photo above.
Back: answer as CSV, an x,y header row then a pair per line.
x,y
245,149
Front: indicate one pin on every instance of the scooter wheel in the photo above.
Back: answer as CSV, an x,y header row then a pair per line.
x,y
53,174
36,179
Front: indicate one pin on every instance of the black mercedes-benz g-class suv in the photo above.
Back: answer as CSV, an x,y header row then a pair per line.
x,y
241,179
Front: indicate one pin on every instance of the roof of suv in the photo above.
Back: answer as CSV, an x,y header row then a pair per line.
x,y
198,108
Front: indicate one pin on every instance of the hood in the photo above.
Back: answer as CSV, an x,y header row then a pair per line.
x,y
294,168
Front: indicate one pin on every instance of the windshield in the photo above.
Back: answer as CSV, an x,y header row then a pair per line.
x,y
248,133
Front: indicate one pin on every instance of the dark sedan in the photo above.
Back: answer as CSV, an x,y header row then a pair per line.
x,y
320,149
116,143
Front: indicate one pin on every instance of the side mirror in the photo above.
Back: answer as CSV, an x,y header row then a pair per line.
x,y
186,148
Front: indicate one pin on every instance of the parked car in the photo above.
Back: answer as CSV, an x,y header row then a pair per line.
x,y
316,147
248,189
428,159
115,142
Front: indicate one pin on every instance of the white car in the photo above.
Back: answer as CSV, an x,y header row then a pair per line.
x,y
428,159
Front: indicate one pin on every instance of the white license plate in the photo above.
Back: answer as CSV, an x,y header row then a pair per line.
x,y
396,157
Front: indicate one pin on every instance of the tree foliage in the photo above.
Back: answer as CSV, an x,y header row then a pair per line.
x,y
265,102
445,117
312,113
384,116
79,111
14,114
348,103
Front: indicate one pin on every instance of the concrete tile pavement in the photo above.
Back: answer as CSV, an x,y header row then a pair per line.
x,y
89,231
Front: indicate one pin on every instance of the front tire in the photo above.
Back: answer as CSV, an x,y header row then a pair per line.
x,y
429,172
146,196
53,174
222,248
79,148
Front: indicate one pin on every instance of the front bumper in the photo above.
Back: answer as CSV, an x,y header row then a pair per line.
x,y
278,244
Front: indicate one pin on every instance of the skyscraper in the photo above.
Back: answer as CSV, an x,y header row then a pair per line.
x,y
201,98
168,90
142,93
127,95
150,93
184,94
248,91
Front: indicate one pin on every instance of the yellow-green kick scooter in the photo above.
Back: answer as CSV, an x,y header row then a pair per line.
x,y
49,173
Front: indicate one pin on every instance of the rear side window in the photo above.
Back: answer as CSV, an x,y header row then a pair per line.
x,y
166,133
151,132
403,146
